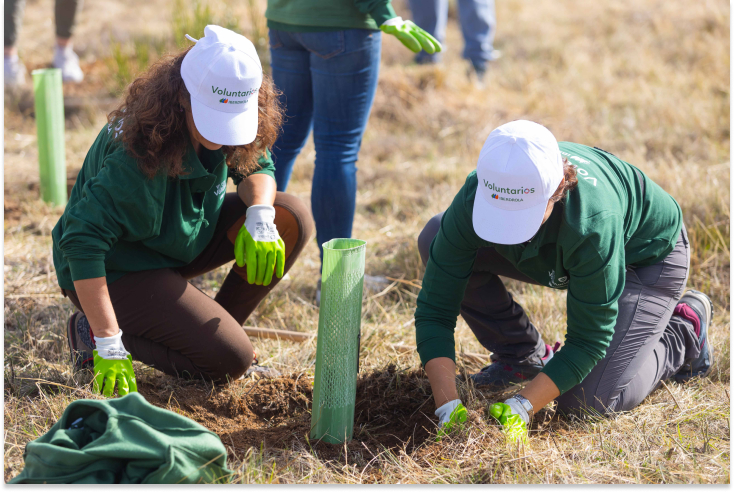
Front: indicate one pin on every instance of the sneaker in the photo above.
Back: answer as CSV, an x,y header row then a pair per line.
x,y
14,71
501,374
704,309
81,341
68,62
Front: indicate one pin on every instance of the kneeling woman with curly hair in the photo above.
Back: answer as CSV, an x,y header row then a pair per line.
x,y
149,212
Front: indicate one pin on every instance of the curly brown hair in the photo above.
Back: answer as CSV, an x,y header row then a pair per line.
x,y
569,183
153,116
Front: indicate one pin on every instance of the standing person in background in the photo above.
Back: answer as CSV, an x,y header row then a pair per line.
x,y
600,229
325,58
64,56
478,24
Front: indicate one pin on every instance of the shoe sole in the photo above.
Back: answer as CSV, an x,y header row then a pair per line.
x,y
70,326
69,334
708,314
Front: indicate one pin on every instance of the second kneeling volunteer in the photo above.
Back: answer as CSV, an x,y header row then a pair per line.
x,y
570,217
149,211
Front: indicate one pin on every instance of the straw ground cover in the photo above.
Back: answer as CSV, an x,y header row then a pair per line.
x,y
646,80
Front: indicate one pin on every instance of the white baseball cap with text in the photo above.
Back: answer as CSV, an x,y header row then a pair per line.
x,y
519,168
223,74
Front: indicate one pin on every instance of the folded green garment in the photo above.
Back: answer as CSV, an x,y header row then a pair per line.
x,y
124,440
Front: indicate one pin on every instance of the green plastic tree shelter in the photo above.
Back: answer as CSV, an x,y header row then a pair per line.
x,y
50,127
337,346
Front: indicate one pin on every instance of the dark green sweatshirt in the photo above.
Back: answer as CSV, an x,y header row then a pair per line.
x,y
605,224
118,220
327,15
124,440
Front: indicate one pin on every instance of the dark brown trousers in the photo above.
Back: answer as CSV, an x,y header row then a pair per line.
x,y
171,325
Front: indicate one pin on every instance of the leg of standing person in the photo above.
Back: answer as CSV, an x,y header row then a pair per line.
x,y
289,63
14,70
478,23
651,342
344,70
499,323
66,12
13,11
64,56
431,16
169,324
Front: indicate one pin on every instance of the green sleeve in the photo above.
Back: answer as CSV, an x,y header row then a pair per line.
x,y
118,203
379,10
266,167
449,267
596,265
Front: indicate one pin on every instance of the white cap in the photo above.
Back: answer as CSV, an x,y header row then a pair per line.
x,y
519,169
223,74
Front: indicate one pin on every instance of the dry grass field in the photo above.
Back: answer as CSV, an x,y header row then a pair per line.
x,y
645,79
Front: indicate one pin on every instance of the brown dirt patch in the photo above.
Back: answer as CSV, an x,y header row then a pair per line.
x,y
393,410
12,211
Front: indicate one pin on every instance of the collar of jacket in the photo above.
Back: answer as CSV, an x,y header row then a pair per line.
x,y
194,168
548,233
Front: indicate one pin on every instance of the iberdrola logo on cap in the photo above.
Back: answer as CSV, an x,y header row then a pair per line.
x,y
224,101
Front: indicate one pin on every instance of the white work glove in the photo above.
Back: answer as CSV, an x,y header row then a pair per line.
x,y
259,245
518,409
260,223
450,415
111,348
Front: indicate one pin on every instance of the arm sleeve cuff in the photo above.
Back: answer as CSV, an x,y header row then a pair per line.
x,y
436,347
568,367
383,13
270,171
84,269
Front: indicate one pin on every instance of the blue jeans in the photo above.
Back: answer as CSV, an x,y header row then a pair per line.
x,y
328,81
478,23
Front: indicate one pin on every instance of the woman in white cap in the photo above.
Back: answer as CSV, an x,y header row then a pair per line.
x,y
571,217
149,211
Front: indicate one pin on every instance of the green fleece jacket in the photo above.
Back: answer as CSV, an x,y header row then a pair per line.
x,y
615,217
327,15
124,440
118,220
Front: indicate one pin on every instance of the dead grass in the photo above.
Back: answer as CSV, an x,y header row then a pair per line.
x,y
647,80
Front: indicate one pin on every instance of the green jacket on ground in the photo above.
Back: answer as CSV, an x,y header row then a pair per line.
x,y
124,440
615,217
327,15
118,220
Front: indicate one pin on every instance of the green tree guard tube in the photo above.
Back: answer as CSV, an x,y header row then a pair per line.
x,y
50,127
337,346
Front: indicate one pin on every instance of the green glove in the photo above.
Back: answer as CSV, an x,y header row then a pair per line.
x,y
514,427
109,371
451,417
259,245
413,37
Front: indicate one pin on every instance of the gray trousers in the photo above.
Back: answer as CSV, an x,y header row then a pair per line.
x,y
649,345
65,14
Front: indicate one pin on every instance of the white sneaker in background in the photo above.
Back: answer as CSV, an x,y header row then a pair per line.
x,y
68,62
14,72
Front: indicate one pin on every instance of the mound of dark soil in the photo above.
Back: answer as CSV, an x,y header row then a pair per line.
x,y
393,410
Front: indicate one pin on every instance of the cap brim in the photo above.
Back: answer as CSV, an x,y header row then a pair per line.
x,y
506,226
224,128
